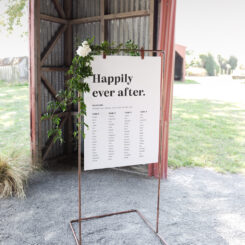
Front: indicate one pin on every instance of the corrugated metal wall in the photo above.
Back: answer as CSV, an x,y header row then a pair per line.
x,y
135,29
120,6
56,58
117,31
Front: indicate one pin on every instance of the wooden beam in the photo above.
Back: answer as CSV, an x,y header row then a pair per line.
x,y
35,81
151,23
85,20
53,42
50,88
54,68
102,21
50,141
68,54
59,9
53,19
130,14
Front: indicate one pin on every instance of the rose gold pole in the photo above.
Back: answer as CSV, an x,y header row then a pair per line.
x,y
79,171
161,145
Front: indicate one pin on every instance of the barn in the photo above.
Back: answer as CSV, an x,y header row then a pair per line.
x,y
56,27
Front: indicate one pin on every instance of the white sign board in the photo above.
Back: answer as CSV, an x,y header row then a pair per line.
x,y
123,109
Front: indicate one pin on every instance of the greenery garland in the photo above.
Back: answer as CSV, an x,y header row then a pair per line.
x,y
80,70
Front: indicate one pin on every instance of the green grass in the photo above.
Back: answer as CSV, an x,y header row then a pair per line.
x,y
186,82
14,119
202,133
207,134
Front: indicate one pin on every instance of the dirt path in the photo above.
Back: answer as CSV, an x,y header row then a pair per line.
x,y
198,207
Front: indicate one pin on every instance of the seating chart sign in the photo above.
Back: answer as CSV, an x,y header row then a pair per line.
x,y
123,110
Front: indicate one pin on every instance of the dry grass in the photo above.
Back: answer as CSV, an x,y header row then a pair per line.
x,y
14,173
15,165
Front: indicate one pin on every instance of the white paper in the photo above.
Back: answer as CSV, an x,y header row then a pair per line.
x,y
123,109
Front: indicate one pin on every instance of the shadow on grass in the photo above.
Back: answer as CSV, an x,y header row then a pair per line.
x,y
208,134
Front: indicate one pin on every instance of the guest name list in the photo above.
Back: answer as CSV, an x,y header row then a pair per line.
x,y
123,110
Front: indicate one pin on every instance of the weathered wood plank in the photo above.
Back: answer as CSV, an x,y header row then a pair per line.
x,y
68,47
53,42
35,81
53,19
102,21
59,9
130,14
151,25
85,20
54,68
50,88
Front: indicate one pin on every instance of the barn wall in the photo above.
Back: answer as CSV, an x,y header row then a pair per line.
x,y
55,58
50,16
118,31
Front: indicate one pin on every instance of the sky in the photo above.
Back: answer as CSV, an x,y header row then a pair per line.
x,y
13,45
215,26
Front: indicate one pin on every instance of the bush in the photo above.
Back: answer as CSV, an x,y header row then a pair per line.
x,y
13,177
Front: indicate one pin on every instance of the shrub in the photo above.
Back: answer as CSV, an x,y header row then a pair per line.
x,y
13,177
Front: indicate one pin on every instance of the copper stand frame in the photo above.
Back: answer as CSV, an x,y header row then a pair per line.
x,y
80,219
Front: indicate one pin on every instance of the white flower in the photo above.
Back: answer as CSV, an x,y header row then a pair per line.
x,y
83,50
85,43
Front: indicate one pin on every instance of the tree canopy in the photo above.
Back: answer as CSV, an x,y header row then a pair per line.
x,y
13,14
209,63
233,62
227,66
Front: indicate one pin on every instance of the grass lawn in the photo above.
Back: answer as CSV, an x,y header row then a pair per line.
x,y
208,134
14,119
202,132
188,81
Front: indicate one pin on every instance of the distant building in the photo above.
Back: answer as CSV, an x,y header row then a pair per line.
x,y
179,70
14,69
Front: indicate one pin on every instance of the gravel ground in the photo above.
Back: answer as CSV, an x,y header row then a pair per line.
x,y
198,206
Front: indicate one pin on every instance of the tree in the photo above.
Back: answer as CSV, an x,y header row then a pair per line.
x,y
222,63
233,62
209,63
15,10
192,59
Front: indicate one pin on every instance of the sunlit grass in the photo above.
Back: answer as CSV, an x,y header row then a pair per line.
x,y
14,119
14,139
186,82
208,134
202,133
